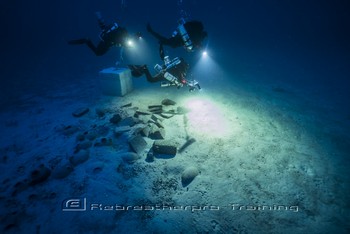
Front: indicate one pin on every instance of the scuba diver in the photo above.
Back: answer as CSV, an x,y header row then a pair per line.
x,y
111,35
189,34
171,73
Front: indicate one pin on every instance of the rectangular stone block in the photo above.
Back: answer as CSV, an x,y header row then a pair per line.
x,y
120,130
164,147
138,144
115,81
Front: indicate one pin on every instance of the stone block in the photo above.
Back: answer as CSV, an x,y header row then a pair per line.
x,y
116,81
168,102
115,119
145,131
164,147
138,144
80,112
129,121
156,133
130,157
79,157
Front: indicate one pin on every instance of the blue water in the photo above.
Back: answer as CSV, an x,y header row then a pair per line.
x,y
294,47
272,40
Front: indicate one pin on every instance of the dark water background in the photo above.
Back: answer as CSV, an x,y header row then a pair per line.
x,y
303,43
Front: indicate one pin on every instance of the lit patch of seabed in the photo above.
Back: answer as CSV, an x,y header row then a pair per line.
x,y
271,156
258,154
207,118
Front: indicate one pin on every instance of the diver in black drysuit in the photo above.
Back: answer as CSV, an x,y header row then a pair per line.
x,y
111,35
171,73
195,31
179,71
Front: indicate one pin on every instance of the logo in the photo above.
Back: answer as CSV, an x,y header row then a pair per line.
x,y
74,204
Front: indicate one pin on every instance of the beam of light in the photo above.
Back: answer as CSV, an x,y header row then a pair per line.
x,y
140,53
208,72
205,65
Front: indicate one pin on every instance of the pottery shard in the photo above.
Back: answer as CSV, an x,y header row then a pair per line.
x,y
154,118
127,105
61,171
157,133
115,119
69,130
150,156
80,157
182,110
167,115
85,144
104,141
188,175
157,121
129,121
164,147
168,102
144,118
100,112
91,135
130,157
155,109
143,112
119,130
39,175
145,131
138,144
80,112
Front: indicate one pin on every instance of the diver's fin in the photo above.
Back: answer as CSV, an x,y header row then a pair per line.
x,y
137,70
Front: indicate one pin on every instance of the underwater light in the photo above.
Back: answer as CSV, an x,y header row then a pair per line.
x,y
130,43
138,35
204,53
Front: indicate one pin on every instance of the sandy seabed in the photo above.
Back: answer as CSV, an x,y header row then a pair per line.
x,y
264,162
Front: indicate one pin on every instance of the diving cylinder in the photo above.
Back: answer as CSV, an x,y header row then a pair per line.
x,y
166,60
106,31
184,35
169,64
171,79
165,84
